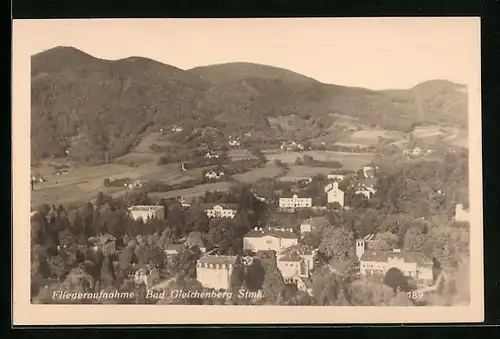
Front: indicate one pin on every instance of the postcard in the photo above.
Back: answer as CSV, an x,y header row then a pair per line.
x,y
247,171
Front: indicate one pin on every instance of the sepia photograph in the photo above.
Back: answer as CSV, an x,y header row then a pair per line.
x,y
321,170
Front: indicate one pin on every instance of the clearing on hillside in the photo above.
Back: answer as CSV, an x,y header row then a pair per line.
x,y
366,138
257,174
194,191
350,161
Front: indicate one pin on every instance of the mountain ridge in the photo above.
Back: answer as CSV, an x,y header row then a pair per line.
x,y
75,94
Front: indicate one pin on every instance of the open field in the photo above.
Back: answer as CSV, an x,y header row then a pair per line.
x,y
364,138
142,152
308,171
427,131
84,182
240,154
194,191
351,161
270,171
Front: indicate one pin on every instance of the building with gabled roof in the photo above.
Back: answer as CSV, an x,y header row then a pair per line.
x,y
375,264
147,212
220,210
214,271
296,262
334,193
295,202
260,239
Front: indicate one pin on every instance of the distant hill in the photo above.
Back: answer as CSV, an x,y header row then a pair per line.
x,y
235,71
99,109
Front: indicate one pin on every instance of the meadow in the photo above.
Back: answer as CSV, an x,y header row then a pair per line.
x,y
257,174
350,161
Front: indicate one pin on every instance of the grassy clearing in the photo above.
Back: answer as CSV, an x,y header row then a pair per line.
x,y
351,161
364,138
240,154
308,171
255,175
194,191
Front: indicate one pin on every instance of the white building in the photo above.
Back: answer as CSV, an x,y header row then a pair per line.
x,y
219,211
368,172
214,174
375,264
234,143
260,239
296,261
295,202
305,226
338,177
147,212
461,214
214,271
334,193
210,155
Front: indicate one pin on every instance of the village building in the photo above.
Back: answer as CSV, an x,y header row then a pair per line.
x,y
296,264
295,202
135,184
334,194
366,187
105,243
305,226
234,143
171,250
147,212
260,239
368,172
221,211
210,155
214,174
144,274
214,271
334,176
461,214
177,129
195,239
375,264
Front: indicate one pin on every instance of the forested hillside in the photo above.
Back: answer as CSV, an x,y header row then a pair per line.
x,y
98,109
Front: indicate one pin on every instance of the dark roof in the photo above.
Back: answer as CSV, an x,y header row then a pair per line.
x,y
293,256
383,256
273,233
299,249
218,259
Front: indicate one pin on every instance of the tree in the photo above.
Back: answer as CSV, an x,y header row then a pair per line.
x,y
58,266
414,240
107,274
385,242
337,243
401,299
395,279
362,293
273,284
237,276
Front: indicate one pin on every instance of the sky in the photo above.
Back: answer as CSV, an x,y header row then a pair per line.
x,y
375,53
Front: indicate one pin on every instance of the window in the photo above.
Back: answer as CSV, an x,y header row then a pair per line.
x,y
269,241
